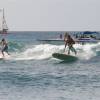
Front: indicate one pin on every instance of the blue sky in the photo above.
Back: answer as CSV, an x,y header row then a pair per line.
x,y
52,15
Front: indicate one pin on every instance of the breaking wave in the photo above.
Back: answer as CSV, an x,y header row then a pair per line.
x,y
45,51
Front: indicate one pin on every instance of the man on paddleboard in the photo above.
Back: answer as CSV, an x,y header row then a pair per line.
x,y
4,46
69,41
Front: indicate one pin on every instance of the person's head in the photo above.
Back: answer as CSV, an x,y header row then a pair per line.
x,y
3,40
66,34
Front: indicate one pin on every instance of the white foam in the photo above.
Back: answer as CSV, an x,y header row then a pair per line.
x,y
44,51
6,56
86,51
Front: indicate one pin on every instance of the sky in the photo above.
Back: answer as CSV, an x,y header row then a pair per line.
x,y
52,15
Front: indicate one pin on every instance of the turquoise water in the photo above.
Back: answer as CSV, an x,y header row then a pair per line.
x,y
31,73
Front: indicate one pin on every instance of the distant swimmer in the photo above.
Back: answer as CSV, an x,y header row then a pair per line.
x,y
69,41
4,46
60,36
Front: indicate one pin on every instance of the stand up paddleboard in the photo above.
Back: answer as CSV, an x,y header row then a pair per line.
x,y
1,58
65,57
6,56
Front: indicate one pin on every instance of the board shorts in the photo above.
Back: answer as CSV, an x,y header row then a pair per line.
x,y
72,49
5,49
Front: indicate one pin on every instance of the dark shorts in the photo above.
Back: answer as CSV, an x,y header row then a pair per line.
x,y
5,49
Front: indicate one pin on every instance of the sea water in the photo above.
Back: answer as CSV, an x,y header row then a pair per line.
x,y
31,73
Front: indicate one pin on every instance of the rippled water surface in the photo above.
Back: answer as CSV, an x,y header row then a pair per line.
x,y
31,73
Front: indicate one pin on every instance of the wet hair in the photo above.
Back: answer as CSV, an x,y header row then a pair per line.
x,y
69,36
66,34
3,39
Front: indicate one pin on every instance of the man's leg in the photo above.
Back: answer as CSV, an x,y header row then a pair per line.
x,y
69,50
7,52
3,53
73,50
65,46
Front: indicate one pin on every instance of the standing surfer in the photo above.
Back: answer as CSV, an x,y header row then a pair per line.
x,y
4,46
69,41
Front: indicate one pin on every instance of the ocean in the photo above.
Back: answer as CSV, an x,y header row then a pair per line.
x,y
31,73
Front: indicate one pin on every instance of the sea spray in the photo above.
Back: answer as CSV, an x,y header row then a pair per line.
x,y
44,51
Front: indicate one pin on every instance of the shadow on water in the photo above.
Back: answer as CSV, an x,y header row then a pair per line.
x,y
66,62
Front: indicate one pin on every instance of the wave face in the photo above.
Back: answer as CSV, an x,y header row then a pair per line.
x,y
45,51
